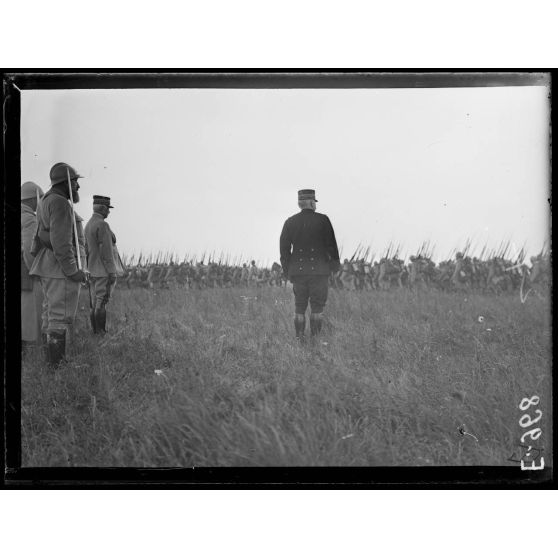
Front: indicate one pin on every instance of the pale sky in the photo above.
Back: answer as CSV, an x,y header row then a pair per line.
x,y
217,170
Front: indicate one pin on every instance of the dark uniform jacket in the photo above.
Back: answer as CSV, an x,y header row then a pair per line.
x,y
308,245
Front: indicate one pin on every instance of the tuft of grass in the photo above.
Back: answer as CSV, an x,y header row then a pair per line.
x,y
398,375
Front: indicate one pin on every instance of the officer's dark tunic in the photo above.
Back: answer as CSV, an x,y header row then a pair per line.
x,y
308,255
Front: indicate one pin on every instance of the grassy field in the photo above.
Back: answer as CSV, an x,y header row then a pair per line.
x,y
393,379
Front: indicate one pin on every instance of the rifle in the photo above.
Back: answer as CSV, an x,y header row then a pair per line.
x,y
355,253
78,254
74,220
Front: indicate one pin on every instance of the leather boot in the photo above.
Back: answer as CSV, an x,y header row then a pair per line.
x,y
44,345
300,325
315,324
101,320
56,347
92,320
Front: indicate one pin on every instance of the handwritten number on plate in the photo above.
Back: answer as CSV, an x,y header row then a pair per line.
x,y
533,466
526,403
525,421
534,434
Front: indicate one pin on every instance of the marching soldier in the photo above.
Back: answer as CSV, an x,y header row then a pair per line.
x,y
56,258
244,275
103,261
31,291
253,273
308,255
460,277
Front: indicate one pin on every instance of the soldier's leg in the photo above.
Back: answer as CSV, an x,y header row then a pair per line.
x,y
318,299
108,296
93,302
54,339
301,292
40,307
29,318
44,321
102,295
62,301
32,314
73,290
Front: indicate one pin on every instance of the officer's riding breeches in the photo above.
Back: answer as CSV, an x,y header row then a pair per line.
x,y
311,288
61,297
101,290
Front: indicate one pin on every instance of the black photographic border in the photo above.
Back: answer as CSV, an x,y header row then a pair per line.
x,y
218,477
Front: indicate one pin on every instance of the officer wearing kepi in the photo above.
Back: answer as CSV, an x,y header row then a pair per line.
x,y
31,291
103,261
309,254
56,258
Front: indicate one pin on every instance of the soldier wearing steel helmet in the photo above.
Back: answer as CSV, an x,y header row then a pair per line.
x,y
103,261
309,254
460,278
56,258
31,291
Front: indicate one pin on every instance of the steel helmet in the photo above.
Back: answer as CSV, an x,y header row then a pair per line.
x,y
29,190
59,173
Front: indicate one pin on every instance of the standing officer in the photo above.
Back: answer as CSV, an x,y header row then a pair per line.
x,y
103,260
308,255
31,291
56,262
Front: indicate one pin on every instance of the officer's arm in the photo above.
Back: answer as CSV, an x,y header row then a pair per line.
x,y
331,244
285,244
27,234
61,235
104,237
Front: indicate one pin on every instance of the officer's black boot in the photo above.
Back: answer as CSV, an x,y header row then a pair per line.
x,y
56,349
300,326
92,320
315,324
101,320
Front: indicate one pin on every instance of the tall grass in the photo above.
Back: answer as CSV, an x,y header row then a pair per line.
x,y
392,379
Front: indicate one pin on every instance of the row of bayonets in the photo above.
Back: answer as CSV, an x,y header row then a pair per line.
x,y
362,253
168,257
505,250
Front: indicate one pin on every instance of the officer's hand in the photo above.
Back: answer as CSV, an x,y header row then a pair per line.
x,y
78,276
112,278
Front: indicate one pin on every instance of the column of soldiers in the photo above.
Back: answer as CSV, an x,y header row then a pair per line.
x,y
492,276
58,258
201,276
